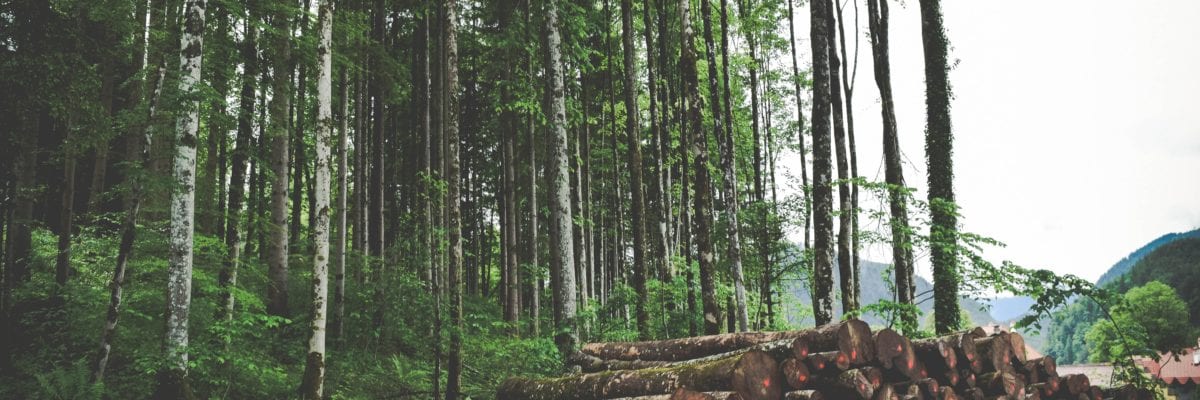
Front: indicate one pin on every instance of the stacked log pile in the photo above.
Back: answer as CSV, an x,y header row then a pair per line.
x,y
843,360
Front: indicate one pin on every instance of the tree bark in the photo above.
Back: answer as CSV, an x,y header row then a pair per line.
x,y
848,82
174,382
128,234
800,129
902,257
939,149
562,257
314,369
846,268
233,240
727,167
339,242
281,83
453,213
822,282
633,135
703,196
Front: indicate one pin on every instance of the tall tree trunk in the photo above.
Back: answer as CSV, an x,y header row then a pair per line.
x,y
128,229
902,257
939,150
659,256
848,82
314,368
174,382
849,289
561,255
453,216
237,180
822,284
281,86
511,265
634,135
727,168
376,215
62,265
703,196
799,129
339,242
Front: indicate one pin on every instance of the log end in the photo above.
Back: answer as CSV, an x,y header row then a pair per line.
x,y
757,376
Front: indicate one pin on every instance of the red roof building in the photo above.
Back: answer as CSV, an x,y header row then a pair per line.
x,y
1180,372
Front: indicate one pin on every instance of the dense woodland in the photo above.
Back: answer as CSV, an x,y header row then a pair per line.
x,y
418,199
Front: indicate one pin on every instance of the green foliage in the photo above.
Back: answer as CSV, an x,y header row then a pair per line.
x,y
1152,318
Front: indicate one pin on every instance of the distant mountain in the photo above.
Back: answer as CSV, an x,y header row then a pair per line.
x,y
1123,266
875,288
1009,308
1176,264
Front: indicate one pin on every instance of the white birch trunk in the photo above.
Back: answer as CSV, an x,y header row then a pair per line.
x,y
179,272
314,370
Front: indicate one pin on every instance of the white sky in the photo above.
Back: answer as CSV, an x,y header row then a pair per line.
x,y
1076,122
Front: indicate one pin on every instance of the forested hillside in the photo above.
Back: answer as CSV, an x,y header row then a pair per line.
x,y
1172,264
418,199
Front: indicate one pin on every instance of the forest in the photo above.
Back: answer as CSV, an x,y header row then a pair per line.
x,y
421,199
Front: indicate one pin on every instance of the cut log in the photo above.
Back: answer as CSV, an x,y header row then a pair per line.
x,y
829,363
995,352
976,332
1045,368
923,388
964,347
854,384
754,375
1017,343
946,393
907,389
949,378
937,353
1074,384
800,348
888,345
1128,392
906,365
779,350
1006,383
804,395
973,394
966,380
795,373
1048,388
685,394
885,392
851,336
1032,395
1095,393
685,348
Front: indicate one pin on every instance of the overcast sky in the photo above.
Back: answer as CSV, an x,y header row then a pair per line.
x,y
1076,123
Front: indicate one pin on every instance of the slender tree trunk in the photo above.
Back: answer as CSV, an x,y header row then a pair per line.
x,y
233,240
281,84
174,382
702,199
376,216
453,215
314,369
562,258
128,231
800,129
939,150
62,265
845,267
902,257
727,168
659,257
339,242
511,265
532,238
633,135
848,79
822,283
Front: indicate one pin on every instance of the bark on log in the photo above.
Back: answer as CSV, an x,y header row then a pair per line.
x,y
973,394
685,394
804,395
1074,384
779,350
852,384
946,393
1128,392
922,388
1045,368
885,392
685,348
995,352
829,363
1006,383
963,344
753,375
851,336
1017,342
